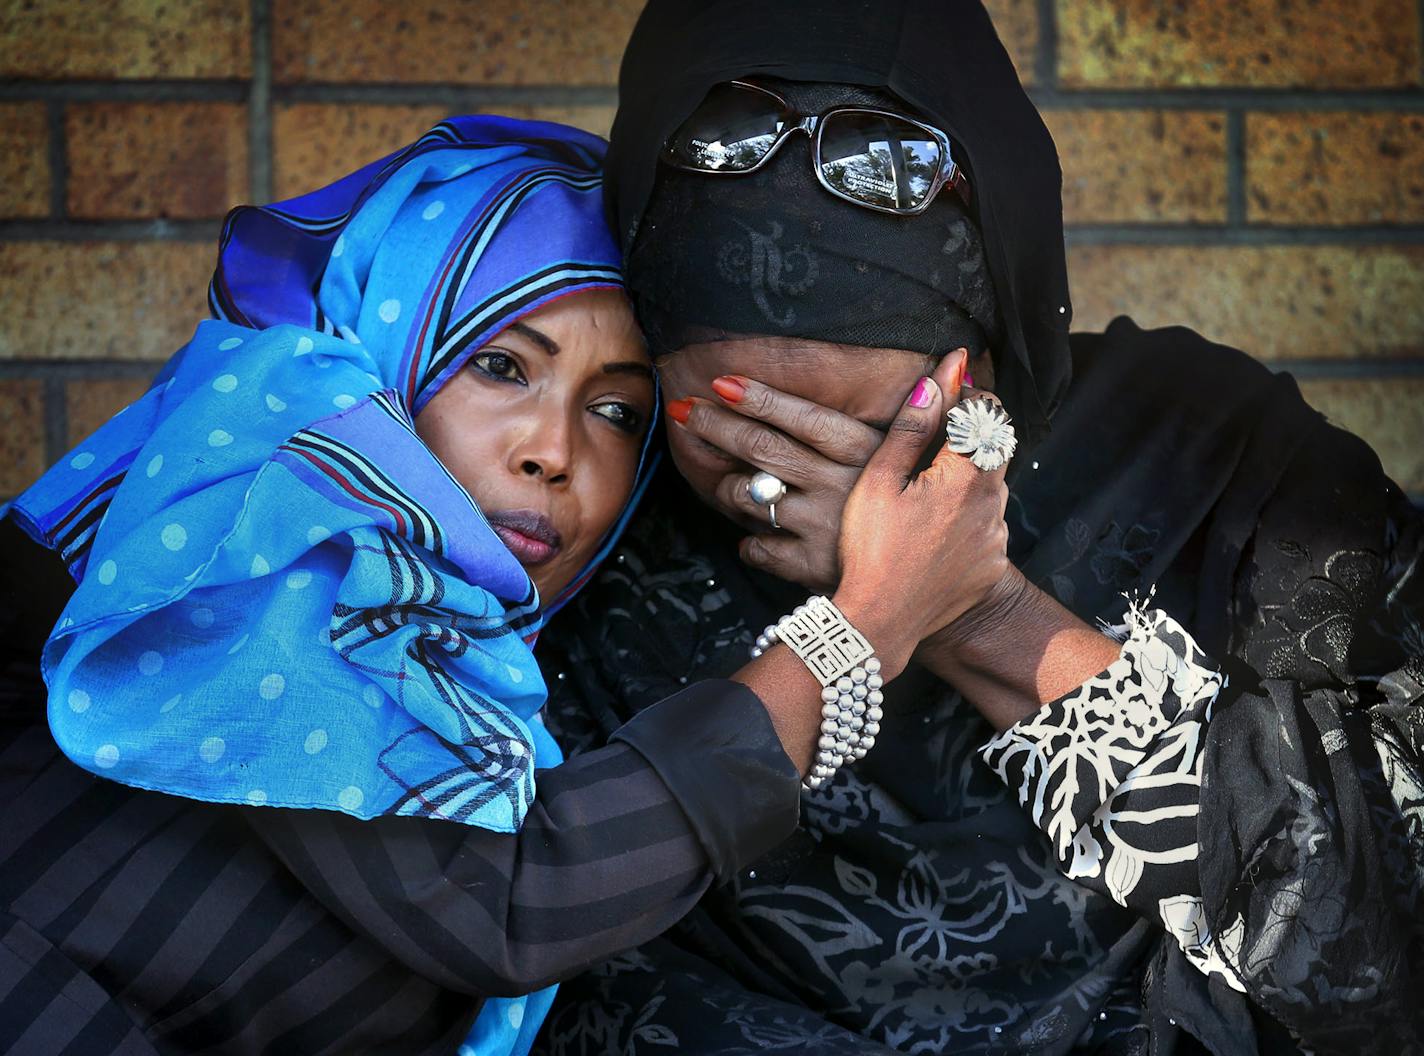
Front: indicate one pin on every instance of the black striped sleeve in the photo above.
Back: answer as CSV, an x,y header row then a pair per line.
x,y
619,844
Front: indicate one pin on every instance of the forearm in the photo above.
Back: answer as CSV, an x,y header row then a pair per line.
x,y
618,845
1016,652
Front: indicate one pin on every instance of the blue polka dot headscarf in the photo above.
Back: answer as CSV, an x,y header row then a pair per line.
x,y
284,599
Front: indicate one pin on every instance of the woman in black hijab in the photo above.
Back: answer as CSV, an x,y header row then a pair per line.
x,y
1215,844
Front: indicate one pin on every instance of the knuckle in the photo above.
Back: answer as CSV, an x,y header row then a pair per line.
x,y
819,428
759,401
907,426
762,445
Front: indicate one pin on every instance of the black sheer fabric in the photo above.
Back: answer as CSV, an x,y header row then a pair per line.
x,y
919,908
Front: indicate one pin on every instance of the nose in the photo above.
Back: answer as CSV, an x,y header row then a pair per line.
x,y
543,447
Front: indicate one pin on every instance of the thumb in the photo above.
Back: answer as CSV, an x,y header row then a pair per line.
x,y
893,464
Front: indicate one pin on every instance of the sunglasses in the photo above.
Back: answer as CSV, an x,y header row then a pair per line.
x,y
873,158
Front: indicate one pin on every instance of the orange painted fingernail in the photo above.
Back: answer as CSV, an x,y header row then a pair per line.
x,y
961,370
730,388
678,410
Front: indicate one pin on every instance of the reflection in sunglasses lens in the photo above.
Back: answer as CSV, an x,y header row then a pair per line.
x,y
730,132
878,160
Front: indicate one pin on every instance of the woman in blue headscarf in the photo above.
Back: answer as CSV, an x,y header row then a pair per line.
x,y
310,562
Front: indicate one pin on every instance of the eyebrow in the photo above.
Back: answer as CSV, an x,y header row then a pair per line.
x,y
544,341
629,367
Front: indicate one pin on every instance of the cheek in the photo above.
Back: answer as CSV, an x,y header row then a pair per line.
x,y
460,442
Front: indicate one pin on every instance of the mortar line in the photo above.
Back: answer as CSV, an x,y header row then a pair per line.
x,y
56,418
1046,56
259,105
1236,162
58,155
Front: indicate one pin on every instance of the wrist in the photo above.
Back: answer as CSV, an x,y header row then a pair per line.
x,y
882,627
981,625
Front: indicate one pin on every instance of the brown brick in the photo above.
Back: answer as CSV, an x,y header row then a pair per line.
x,y
90,300
1141,165
490,42
1335,168
316,143
125,38
1275,43
1017,24
1277,302
1386,412
24,160
90,403
181,160
22,457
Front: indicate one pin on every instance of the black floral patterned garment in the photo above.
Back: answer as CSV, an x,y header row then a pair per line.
x,y
1266,838
1218,843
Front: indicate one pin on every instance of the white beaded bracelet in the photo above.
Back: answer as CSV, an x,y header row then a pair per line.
x,y
843,662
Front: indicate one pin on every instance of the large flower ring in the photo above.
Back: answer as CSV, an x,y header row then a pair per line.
x,y
980,429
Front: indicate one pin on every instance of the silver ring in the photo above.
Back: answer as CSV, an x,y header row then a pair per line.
x,y
767,489
980,429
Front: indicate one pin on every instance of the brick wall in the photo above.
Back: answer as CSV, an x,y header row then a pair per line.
x,y
1254,169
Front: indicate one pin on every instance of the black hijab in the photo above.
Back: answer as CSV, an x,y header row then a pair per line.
x,y
771,253
944,59
1171,462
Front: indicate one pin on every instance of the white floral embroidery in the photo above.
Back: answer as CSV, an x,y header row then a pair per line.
x,y
1185,919
1111,772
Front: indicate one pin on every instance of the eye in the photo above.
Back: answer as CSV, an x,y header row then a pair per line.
x,y
623,415
499,365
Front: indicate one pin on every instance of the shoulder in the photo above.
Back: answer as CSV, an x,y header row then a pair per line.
x,y
1172,359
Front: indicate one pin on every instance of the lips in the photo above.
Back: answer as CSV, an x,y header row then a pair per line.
x,y
530,536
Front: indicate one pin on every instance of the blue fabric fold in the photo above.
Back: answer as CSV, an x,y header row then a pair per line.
x,y
284,600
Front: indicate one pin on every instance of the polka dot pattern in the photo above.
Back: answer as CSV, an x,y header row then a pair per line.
x,y
174,537
169,704
272,686
299,579
257,797
78,701
389,311
108,572
219,438
201,618
315,742
304,346
154,467
212,748
344,400
150,663
83,460
259,566
229,344
276,404
373,696
317,534
351,798
431,211
107,756
225,382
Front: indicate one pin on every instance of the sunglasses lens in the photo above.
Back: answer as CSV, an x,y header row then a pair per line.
x,y
731,131
881,161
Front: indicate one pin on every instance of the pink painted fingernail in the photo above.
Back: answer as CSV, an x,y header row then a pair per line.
x,y
969,379
922,394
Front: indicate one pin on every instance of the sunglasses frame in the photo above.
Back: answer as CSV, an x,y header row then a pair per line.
x,y
948,171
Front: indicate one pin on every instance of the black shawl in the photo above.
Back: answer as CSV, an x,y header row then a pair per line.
x,y
1171,463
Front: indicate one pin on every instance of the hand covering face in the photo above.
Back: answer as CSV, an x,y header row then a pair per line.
x,y
284,598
